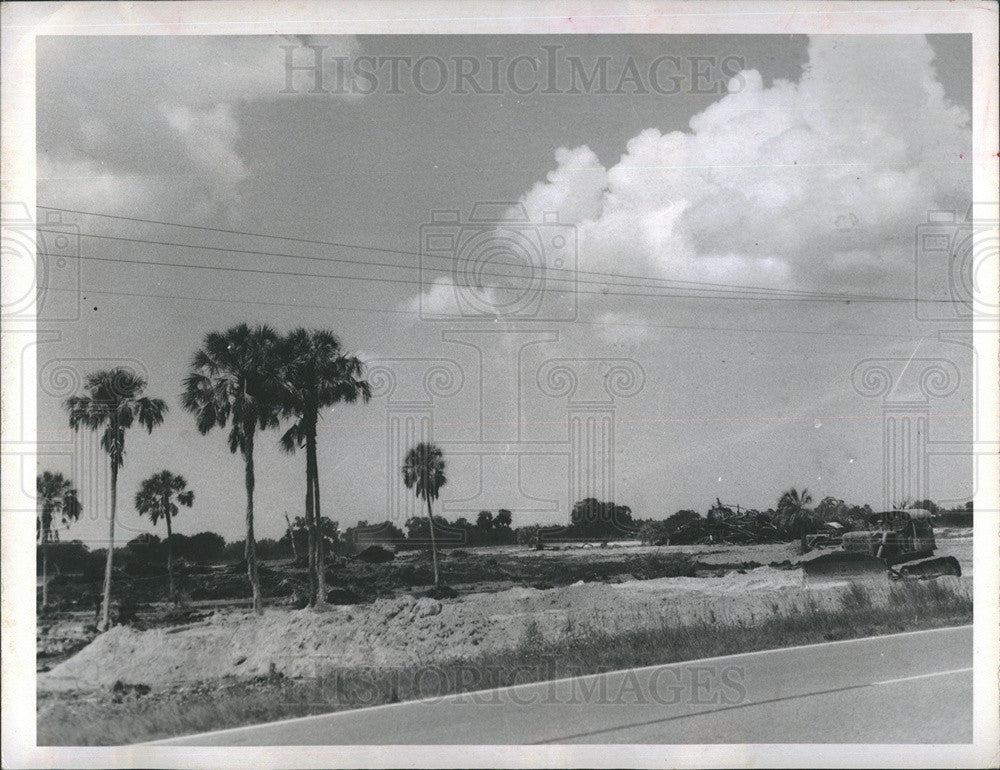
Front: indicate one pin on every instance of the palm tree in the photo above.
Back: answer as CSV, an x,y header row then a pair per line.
x,y
156,497
233,381
114,400
315,375
423,472
56,498
792,506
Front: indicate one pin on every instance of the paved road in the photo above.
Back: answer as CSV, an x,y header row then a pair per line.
x,y
905,688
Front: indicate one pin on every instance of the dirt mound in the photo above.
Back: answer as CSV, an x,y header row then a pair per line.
x,y
293,642
410,630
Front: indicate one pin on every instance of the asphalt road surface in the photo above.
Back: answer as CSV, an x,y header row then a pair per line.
x,y
904,688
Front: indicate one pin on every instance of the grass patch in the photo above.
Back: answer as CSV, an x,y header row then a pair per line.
x,y
114,718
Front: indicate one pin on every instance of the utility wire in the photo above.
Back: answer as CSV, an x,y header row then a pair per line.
x,y
339,244
604,291
343,308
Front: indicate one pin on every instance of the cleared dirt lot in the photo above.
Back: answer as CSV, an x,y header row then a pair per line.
x,y
498,614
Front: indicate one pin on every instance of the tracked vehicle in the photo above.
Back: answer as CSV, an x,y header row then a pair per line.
x,y
899,544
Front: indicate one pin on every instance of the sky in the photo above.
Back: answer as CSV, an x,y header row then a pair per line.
x,y
698,237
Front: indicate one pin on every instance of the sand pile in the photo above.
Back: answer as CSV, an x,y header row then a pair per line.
x,y
406,631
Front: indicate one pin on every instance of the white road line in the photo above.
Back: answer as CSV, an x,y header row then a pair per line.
x,y
924,676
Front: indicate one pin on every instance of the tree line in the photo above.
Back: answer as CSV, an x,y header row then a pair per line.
x,y
250,379
247,379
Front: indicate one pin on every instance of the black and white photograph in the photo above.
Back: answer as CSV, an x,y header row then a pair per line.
x,y
500,384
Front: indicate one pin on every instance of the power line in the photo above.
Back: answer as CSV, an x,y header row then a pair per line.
x,y
340,244
288,273
348,261
343,308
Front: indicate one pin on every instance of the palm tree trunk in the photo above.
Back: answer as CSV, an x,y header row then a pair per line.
x,y
45,571
434,556
311,532
291,537
320,565
106,604
250,548
170,556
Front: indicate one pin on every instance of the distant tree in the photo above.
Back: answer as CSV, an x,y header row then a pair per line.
x,y
158,497
234,552
70,556
417,528
484,521
328,534
927,505
114,401
857,517
593,518
792,507
203,548
529,535
383,532
423,472
682,518
504,518
654,533
270,549
141,556
57,501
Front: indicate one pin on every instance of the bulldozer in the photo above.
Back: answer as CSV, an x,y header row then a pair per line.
x,y
897,543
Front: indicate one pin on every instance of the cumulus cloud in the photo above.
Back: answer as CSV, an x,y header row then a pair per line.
x,y
209,136
573,190
814,183
167,126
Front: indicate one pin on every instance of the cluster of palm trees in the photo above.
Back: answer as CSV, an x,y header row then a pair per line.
x,y
58,506
247,379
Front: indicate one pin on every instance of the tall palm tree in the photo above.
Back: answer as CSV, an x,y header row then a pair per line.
x,y
57,498
315,375
234,381
792,506
423,472
114,400
159,496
